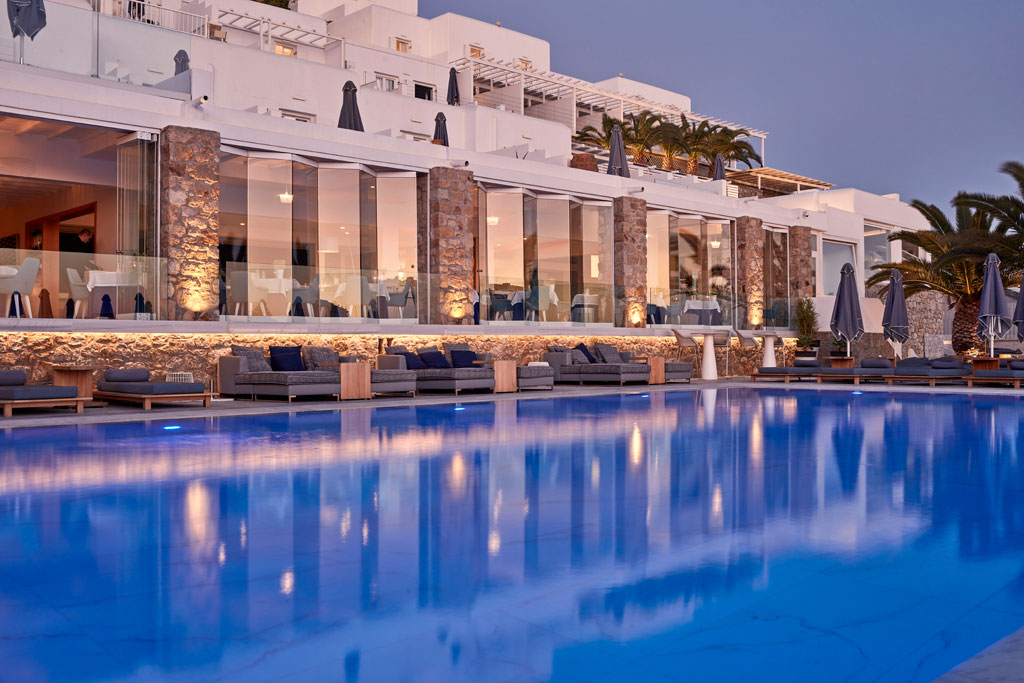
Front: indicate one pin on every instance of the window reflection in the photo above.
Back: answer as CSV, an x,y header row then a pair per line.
x,y
591,263
547,259
396,243
833,256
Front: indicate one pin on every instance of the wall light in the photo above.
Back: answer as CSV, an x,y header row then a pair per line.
x,y
286,197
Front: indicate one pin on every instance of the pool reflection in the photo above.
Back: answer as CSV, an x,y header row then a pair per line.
x,y
507,539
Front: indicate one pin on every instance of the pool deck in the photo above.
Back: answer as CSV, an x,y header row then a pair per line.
x,y
1000,663
241,407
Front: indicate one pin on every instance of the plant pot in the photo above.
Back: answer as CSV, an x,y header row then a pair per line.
x,y
804,352
837,353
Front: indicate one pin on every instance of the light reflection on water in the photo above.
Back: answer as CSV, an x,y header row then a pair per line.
x,y
721,533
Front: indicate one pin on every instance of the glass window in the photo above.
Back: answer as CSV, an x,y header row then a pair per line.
x,y
269,233
591,263
776,282
386,83
476,51
685,262
876,247
525,63
396,243
234,212
403,44
338,240
423,92
500,255
286,49
547,260
306,284
833,256
658,283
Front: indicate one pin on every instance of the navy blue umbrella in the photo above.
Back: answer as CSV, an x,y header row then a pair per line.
x,y
28,17
1018,314
895,320
181,62
847,322
441,129
617,164
350,118
453,87
719,171
993,315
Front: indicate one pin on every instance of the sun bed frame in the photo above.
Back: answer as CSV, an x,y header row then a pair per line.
x,y
754,376
77,403
1015,381
931,380
147,400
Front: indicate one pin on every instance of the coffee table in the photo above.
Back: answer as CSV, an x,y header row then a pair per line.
x,y
657,364
354,381
504,375
79,376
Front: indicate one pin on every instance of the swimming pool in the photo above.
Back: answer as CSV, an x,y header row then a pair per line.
x,y
692,535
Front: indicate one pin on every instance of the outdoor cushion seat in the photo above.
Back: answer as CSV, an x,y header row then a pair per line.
x,y
455,373
287,378
678,366
1000,374
932,372
789,371
35,393
610,368
152,388
533,371
381,376
857,371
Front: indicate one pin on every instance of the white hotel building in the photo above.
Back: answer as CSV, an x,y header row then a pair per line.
x,y
226,199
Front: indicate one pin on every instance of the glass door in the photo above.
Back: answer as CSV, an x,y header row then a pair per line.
x,y
136,276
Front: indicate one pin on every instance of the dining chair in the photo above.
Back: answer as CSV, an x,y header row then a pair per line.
x,y
23,282
79,291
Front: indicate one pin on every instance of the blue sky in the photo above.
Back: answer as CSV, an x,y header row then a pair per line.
x,y
923,98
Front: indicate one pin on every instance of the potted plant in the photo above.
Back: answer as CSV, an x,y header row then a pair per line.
x,y
806,329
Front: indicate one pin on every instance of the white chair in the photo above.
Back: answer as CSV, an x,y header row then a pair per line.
x,y
79,292
23,283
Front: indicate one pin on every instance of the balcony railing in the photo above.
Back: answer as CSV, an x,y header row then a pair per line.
x,y
164,17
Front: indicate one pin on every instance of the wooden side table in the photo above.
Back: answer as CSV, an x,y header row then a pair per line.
x,y
78,376
844,362
657,364
984,364
504,375
354,379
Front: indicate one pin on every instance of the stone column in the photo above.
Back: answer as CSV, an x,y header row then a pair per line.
x,y
750,292
451,223
630,240
584,161
801,264
189,221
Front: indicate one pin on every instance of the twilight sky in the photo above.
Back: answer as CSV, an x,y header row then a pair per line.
x,y
919,97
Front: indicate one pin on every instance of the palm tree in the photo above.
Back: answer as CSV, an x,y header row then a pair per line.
x,y
1006,210
673,144
698,143
599,138
641,133
954,265
729,143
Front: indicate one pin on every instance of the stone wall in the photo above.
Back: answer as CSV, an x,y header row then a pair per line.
x,y
925,311
584,161
190,220
197,353
630,238
750,270
452,221
801,265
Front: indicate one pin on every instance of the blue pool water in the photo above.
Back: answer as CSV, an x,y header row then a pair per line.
x,y
699,536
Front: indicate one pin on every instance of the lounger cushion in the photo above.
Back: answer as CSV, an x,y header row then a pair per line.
x,y
1017,364
869,372
34,393
315,357
876,363
390,376
127,375
620,368
913,363
1004,374
154,388
534,371
582,348
455,373
931,372
434,359
608,353
286,378
805,362
254,357
12,378
947,363
788,371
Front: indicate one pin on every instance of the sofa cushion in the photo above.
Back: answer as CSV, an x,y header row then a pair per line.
x,y
127,375
286,358
876,363
397,350
678,367
615,369
32,393
286,378
383,376
152,388
532,371
434,359
313,357
608,353
455,373
12,378
582,348
412,361
557,348
254,356
462,358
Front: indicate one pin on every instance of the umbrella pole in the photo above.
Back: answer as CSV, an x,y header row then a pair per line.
x,y
847,347
991,345
21,56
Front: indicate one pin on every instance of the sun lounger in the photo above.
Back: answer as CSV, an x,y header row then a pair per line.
x,y
134,386
804,369
920,370
1012,374
871,369
15,394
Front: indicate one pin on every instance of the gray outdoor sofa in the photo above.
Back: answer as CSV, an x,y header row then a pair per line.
x,y
612,366
535,377
441,379
319,376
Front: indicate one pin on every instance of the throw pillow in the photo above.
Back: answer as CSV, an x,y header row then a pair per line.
x,y
578,358
257,361
556,348
805,362
608,353
412,361
286,359
463,359
397,350
434,359
582,348
313,357
1017,365
12,378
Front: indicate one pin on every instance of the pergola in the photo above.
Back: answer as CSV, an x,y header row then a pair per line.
x,y
567,100
774,180
263,27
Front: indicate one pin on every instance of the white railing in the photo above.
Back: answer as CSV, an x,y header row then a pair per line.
x,y
164,17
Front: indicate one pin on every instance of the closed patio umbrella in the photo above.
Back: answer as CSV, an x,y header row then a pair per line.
x,y
181,62
1018,314
28,17
895,320
441,129
719,171
847,322
350,118
617,164
993,315
453,87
